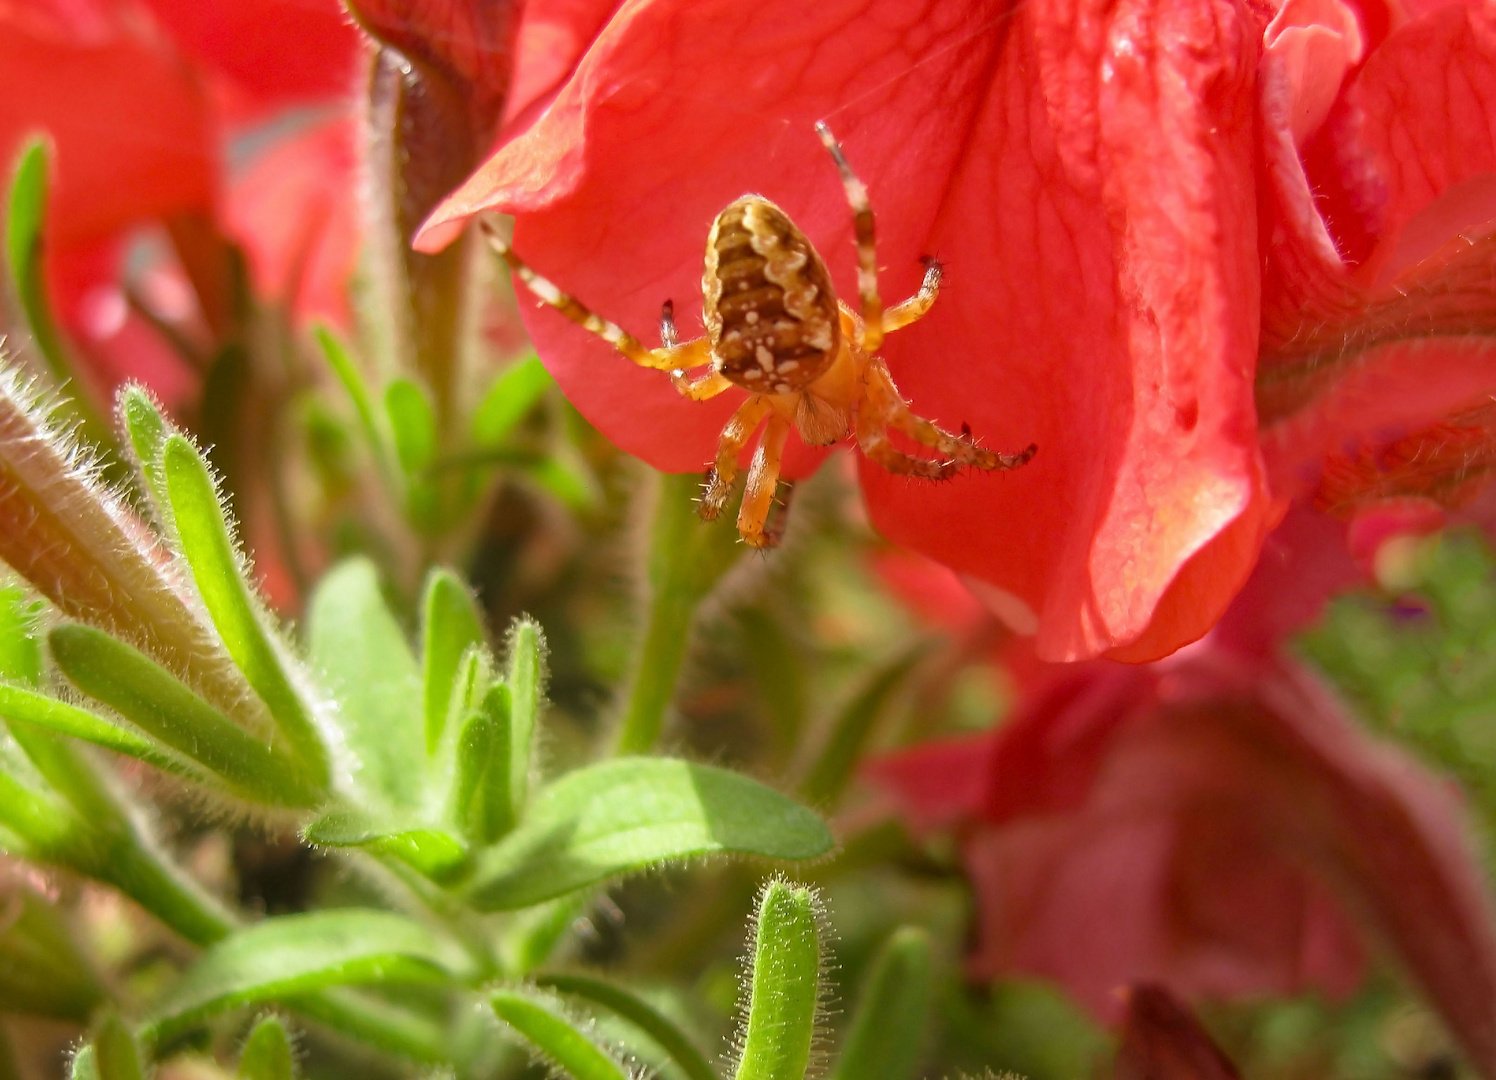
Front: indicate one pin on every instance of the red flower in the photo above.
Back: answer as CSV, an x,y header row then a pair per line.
x,y
1106,182
1211,822
139,101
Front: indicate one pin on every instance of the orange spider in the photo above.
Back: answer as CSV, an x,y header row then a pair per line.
x,y
775,328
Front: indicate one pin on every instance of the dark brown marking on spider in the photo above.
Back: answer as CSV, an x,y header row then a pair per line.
x,y
770,309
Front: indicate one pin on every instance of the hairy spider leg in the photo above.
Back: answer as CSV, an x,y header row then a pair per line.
x,y
918,305
667,325
763,479
667,359
735,435
867,247
894,411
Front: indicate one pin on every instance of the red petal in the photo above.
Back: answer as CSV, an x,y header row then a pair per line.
x,y
277,51
1099,232
292,210
129,122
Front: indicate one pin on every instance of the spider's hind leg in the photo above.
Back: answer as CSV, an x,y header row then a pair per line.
x,y
884,407
735,435
763,480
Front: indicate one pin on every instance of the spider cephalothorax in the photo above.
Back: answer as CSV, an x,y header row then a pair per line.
x,y
775,328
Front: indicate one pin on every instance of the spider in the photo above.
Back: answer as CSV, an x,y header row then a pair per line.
x,y
775,328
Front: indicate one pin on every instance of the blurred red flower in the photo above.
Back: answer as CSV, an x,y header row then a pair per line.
x,y
1211,822
141,101
1109,184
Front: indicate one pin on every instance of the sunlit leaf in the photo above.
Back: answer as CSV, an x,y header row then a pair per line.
x,y
434,853
630,813
359,650
641,1014
450,625
784,987
548,1030
267,1052
203,532
293,954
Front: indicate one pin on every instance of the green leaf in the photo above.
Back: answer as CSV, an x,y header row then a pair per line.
x,y
481,803
630,813
413,422
20,638
203,532
146,429
544,1026
24,245
361,654
267,1052
352,378
509,400
642,1015
526,691
116,1057
42,972
434,853
850,733
451,625
152,699
19,705
784,994
293,954
84,1065
888,1027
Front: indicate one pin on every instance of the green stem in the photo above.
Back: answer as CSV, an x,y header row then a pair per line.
x,y
687,557
375,1023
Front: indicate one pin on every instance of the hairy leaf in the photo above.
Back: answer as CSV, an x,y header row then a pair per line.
x,y
889,1025
451,625
629,813
360,652
547,1029
203,531
642,1015
267,1052
434,853
293,954
784,992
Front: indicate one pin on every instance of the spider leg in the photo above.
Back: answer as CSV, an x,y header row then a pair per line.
x,y
918,305
702,387
667,325
735,435
550,294
763,479
889,406
873,422
867,248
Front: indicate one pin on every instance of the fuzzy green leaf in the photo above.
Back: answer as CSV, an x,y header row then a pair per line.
x,y
630,813
526,681
481,803
267,1052
22,706
20,641
451,625
642,1015
785,988
152,699
434,853
359,650
293,954
203,531
888,1027
145,429
84,1065
547,1029
509,399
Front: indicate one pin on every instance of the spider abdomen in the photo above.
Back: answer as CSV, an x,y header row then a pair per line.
x,y
770,310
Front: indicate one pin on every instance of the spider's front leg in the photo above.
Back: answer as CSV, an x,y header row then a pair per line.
x,y
666,359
